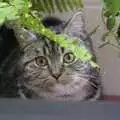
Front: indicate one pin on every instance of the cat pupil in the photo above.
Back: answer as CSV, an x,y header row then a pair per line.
x,y
69,57
41,61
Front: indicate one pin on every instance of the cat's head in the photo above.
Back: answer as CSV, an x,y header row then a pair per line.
x,y
50,71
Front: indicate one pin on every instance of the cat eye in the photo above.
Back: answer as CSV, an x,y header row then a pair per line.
x,y
69,58
41,61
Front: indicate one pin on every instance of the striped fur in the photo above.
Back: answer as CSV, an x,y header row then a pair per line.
x,y
56,79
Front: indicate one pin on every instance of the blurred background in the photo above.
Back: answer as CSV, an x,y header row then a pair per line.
x,y
108,57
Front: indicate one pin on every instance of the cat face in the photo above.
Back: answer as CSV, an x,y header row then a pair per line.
x,y
51,72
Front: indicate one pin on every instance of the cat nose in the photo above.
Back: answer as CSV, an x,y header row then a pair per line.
x,y
56,75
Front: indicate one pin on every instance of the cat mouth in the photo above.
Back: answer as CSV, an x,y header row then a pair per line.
x,y
65,95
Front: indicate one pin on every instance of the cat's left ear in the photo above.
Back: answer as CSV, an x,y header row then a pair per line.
x,y
24,36
75,26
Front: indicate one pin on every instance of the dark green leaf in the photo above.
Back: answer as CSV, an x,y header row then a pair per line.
x,y
110,23
111,7
59,5
53,5
70,4
47,5
77,3
65,5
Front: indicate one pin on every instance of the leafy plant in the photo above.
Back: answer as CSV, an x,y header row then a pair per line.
x,y
110,13
52,5
25,12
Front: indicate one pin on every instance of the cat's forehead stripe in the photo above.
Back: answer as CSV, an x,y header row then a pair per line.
x,y
52,48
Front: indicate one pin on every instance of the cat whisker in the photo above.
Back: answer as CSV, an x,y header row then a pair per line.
x,y
90,82
86,75
92,79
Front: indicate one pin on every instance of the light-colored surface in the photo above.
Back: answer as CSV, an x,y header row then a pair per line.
x,y
107,56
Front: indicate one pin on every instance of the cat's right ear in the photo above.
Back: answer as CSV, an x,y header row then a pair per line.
x,y
24,36
75,26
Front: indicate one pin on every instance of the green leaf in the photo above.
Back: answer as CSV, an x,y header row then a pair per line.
x,y
65,5
110,7
111,22
7,12
3,4
70,4
77,3
53,5
2,21
12,10
94,65
59,6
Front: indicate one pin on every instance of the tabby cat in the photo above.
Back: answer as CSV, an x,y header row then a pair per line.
x,y
40,69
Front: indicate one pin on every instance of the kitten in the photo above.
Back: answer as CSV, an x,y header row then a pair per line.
x,y
44,70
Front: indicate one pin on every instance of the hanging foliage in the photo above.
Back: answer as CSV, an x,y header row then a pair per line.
x,y
23,12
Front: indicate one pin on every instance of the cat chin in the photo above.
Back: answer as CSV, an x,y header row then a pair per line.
x,y
60,92
72,97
